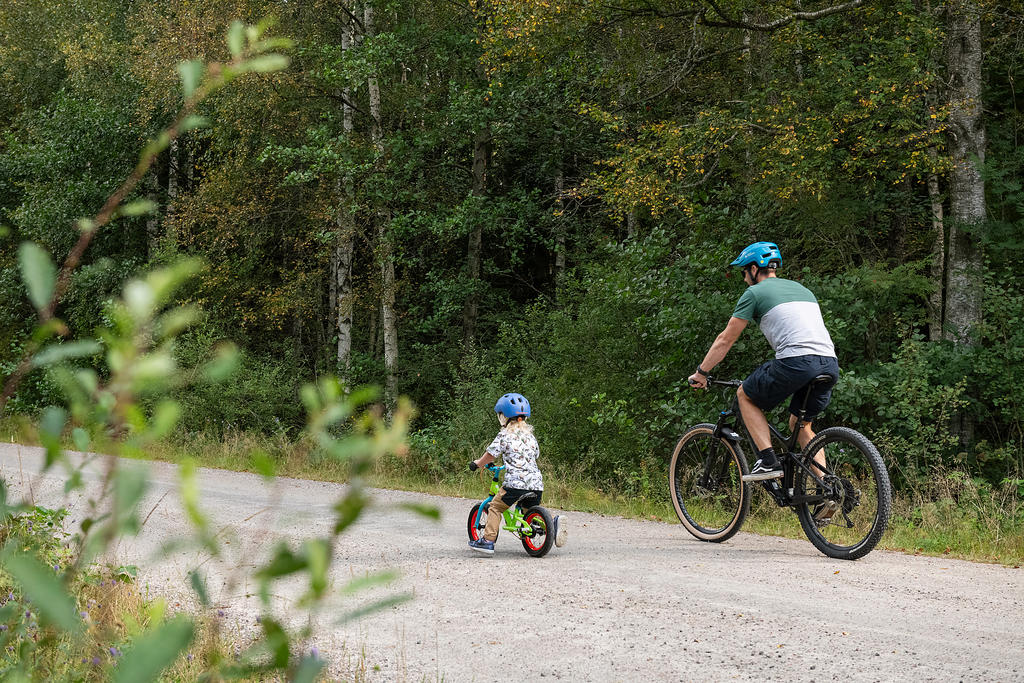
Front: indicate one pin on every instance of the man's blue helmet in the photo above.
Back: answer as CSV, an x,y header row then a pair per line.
x,y
759,254
513,405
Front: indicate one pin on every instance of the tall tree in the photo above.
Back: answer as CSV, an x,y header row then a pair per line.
x,y
966,185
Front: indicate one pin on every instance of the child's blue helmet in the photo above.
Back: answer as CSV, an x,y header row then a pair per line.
x,y
759,254
513,405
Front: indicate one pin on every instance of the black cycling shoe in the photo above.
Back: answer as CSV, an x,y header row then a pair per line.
x,y
761,471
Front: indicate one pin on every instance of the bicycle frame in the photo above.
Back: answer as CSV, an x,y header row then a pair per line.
x,y
792,459
513,516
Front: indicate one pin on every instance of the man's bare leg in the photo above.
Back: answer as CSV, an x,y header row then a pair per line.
x,y
804,438
755,421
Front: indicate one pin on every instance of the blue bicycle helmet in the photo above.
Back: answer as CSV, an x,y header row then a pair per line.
x,y
513,405
759,254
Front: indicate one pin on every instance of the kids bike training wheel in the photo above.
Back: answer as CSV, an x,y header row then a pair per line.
x,y
542,532
858,495
707,492
476,532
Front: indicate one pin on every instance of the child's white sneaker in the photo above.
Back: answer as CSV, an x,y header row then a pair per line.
x,y
559,532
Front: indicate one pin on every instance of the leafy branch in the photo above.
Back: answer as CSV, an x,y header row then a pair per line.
x,y
251,52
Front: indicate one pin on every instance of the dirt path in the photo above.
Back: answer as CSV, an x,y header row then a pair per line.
x,y
624,600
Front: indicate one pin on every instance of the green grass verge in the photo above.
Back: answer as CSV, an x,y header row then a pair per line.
x,y
953,516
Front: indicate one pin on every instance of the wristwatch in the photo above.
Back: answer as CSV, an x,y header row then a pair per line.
x,y
701,372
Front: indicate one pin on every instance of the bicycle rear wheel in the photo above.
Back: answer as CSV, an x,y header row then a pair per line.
x,y
541,538
707,492
858,489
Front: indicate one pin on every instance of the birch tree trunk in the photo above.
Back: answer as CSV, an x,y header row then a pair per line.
x,y
344,249
385,254
938,268
560,229
966,186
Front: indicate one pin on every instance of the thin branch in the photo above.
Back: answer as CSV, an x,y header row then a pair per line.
x,y
106,213
728,21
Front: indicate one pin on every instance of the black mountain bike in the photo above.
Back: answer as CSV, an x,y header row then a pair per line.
x,y
843,506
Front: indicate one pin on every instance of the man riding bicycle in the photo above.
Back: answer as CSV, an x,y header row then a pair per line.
x,y
790,318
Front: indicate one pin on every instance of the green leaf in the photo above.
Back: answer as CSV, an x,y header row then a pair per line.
x,y
81,438
375,607
348,510
191,73
127,573
319,557
165,417
429,511
140,207
44,589
129,486
309,668
38,273
58,353
199,586
51,427
154,652
236,38
277,642
285,562
194,121
224,364
263,464
266,63
370,580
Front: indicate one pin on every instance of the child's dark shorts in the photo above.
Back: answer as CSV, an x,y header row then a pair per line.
x,y
770,384
526,498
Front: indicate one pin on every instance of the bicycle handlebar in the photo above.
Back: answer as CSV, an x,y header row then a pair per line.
x,y
734,383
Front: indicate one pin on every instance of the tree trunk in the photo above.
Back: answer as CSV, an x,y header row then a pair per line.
x,y
474,247
388,320
966,186
938,268
344,248
153,221
560,229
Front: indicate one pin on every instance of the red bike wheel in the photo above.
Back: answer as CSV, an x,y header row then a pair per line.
x,y
476,532
543,536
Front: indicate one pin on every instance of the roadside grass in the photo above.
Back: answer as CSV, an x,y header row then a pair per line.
x,y
950,515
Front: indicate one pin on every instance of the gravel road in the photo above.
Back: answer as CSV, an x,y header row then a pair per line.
x,y
624,600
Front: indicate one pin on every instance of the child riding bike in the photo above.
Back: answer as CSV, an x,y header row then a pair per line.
x,y
516,445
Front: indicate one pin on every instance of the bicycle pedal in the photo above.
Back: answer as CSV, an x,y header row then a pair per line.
x,y
826,513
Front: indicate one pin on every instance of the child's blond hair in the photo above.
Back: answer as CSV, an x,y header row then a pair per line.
x,y
516,425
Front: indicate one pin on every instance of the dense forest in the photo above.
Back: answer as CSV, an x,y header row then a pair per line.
x,y
452,200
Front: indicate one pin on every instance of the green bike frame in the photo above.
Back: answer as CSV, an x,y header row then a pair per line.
x,y
513,517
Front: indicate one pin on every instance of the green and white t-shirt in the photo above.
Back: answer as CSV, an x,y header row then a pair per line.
x,y
789,316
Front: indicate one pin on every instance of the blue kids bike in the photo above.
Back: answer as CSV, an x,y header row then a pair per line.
x,y
532,525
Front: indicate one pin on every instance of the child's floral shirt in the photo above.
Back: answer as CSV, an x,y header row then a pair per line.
x,y
519,451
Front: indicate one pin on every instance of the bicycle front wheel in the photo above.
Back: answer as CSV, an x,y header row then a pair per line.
x,y
704,478
857,493
474,526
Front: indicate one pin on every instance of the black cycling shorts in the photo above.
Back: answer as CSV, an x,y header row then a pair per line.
x,y
770,384
526,498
